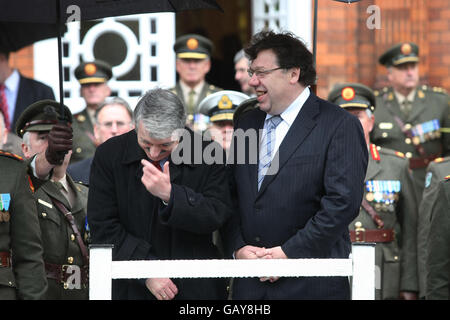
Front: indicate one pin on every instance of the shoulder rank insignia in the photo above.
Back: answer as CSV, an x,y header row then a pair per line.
x,y
399,154
10,155
437,160
374,152
5,199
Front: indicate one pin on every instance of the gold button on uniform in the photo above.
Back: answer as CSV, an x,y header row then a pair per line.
x,y
70,260
408,155
78,150
408,141
384,134
72,237
44,214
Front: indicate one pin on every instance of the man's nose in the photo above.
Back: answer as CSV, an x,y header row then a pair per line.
x,y
253,81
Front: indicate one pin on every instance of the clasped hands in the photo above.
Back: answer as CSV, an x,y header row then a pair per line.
x,y
252,252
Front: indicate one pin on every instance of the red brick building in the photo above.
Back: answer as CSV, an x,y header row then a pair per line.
x,y
347,50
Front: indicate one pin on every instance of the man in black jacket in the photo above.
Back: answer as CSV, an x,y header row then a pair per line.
x,y
151,200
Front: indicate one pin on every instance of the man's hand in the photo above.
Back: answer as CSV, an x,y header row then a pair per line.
x,y
59,143
162,288
155,181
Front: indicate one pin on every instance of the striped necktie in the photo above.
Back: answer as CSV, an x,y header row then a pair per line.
x,y
4,106
266,147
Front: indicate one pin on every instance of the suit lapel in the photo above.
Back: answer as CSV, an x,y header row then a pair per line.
x,y
299,130
52,191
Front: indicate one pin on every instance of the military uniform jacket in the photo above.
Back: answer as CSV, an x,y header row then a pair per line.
x,y
20,236
430,113
59,241
436,172
206,91
389,190
83,137
438,258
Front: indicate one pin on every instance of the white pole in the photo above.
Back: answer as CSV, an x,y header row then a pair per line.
x,y
100,272
363,282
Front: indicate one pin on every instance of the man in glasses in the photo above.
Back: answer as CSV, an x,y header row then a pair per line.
x,y
307,185
112,118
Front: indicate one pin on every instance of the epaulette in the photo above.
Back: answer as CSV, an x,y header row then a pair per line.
x,y
441,159
10,155
374,152
388,151
434,89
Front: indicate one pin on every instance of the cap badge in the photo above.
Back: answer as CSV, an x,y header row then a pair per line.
x,y
90,69
348,93
192,43
225,103
406,49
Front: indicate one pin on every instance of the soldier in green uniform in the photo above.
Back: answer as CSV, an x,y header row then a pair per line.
x,y
22,273
436,172
438,257
193,62
93,77
410,118
388,213
61,202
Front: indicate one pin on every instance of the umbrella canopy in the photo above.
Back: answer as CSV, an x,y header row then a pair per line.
x,y
16,35
52,11
58,12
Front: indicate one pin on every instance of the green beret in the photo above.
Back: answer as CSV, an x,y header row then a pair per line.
x,y
41,116
193,46
400,53
352,95
97,71
221,105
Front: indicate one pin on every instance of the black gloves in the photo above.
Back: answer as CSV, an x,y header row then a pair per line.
x,y
59,143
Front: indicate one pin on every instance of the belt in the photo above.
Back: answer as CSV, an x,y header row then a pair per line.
x,y
382,235
5,259
59,272
421,162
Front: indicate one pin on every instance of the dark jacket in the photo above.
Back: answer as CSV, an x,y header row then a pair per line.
x,y
123,213
307,205
30,91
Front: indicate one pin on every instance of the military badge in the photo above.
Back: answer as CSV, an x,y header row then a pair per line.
x,y
90,69
5,199
406,49
428,179
192,43
348,93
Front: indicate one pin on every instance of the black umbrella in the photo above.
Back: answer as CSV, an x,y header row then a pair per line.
x,y
58,12
17,35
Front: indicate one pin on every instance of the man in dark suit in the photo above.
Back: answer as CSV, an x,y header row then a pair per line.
x,y
298,198
19,91
150,204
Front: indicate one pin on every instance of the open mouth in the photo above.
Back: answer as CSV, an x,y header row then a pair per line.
x,y
260,94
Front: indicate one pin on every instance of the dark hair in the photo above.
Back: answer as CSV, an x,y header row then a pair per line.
x,y
290,51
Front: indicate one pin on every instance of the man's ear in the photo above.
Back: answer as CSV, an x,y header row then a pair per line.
x,y
294,73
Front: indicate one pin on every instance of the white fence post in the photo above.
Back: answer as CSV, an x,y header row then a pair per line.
x,y
363,282
361,267
100,272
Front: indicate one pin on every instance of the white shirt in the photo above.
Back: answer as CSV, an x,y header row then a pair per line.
x,y
288,117
11,92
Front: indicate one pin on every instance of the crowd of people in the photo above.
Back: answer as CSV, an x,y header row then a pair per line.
x,y
361,166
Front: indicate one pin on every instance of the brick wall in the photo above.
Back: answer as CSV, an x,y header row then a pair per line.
x,y
23,60
348,51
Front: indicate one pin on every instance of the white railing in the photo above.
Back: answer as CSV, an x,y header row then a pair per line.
x,y
361,267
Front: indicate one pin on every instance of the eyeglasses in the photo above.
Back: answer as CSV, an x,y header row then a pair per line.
x,y
261,73
119,124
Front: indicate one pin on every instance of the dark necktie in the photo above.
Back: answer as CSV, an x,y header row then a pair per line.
x,y
4,106
156,164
